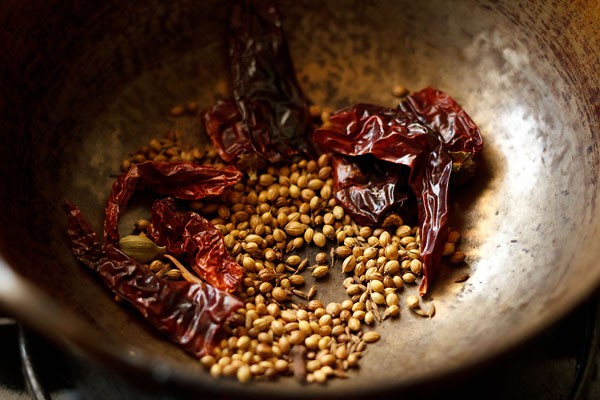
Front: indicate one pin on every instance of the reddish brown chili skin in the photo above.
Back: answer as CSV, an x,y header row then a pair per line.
x,y
461,136
190,236
272,122
442,114
229,135
370,189
191,315
429,133
186,181
265,88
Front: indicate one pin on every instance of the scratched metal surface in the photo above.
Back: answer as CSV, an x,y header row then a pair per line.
x,y
86,84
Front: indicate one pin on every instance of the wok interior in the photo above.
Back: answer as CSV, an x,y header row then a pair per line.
x,y
86,85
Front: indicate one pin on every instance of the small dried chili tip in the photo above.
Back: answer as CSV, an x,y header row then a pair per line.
x,y
191,315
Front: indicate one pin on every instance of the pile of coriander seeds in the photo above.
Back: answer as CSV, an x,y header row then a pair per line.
x,y
285,229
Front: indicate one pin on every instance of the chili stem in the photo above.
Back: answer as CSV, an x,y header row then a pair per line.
x,y
184,271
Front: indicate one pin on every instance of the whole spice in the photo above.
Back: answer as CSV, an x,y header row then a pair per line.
x,y
369,190
253,225
265,220
192,237
460,134
273,121
182,180
229,134
140,248
419,135
188,234
191,315
320,271
371,337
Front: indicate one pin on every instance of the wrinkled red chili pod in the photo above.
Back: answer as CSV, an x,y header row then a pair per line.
x,y
272,122
200,241
430,134
191,236
190,314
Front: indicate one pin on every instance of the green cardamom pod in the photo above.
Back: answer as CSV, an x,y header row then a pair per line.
x,y
140,248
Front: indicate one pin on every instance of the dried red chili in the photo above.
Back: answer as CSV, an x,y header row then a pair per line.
x,y
191,236
230,137
274,121
370,189
460,134
186,181
191,315
408,136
